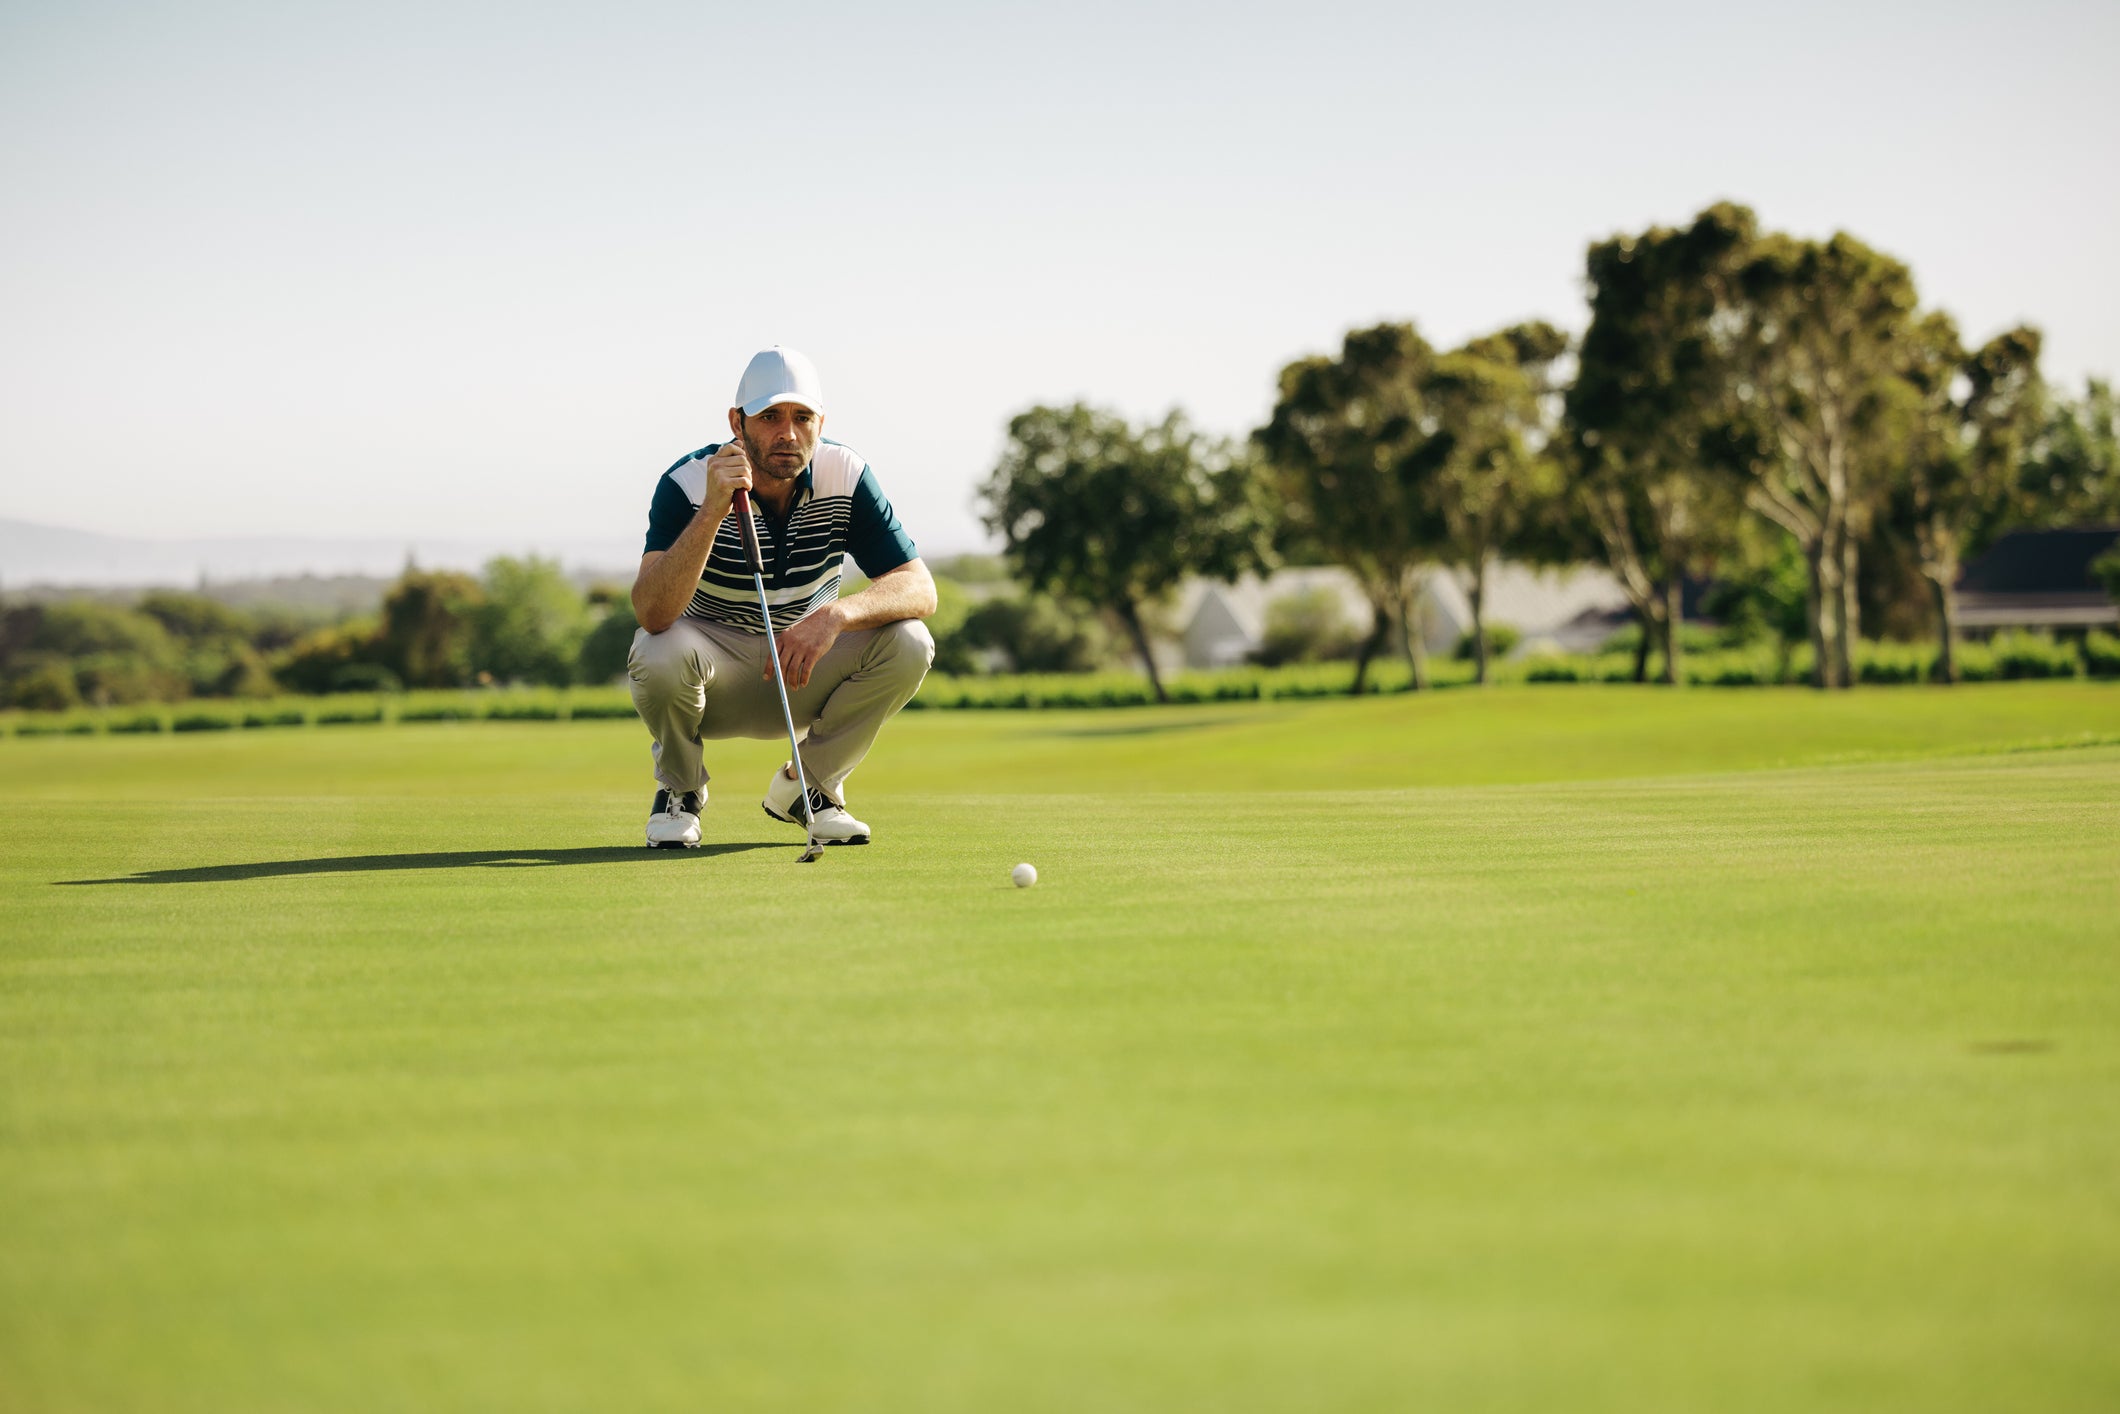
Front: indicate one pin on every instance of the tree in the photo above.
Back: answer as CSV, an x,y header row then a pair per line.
x,y
608,647
1968,420
1652,382
1819,332
115,655
220,656
430,620
1343,447
2072,473
1488,466
1091,508
531,626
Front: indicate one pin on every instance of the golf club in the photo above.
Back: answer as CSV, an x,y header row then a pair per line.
x,y
741,507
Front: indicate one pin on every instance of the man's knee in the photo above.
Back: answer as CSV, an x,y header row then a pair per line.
x,y
667,659
906,647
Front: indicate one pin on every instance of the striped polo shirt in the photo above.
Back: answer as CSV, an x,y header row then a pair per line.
x,y
838,510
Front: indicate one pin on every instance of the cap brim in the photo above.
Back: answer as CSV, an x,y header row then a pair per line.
x,y
759,405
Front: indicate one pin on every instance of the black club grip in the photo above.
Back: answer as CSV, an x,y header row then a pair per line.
x,y
740,507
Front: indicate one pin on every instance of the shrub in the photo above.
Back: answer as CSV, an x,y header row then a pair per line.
x,y
1692,638
276,717
1038,634
1308,626
229,670
532,711
1758,666
349,716
42,682
1501,639
2033,655
146,722
2101,655
202,722
312,665
1976,662
584,711
437,712
1894,662
365,677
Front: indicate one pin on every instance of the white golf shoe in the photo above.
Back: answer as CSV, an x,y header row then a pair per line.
x,y
829,821
674,822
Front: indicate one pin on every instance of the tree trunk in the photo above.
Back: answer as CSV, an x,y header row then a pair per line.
x,y
1946,626
1674,616
1849,618
1379,635
1641,646
1820,592
1136,631
1410,634
1478,599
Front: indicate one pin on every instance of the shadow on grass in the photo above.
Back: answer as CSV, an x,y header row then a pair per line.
x,y
1149,728
449,859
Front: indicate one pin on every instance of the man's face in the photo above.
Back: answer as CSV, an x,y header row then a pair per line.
x,y
781,440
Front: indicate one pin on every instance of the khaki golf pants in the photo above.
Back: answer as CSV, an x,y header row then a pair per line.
x,y
697,681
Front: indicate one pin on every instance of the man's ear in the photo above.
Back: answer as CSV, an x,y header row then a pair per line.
x,y
736,421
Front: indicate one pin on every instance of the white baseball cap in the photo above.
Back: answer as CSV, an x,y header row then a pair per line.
x,y
778,375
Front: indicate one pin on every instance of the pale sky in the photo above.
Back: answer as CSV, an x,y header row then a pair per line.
x,y
485,270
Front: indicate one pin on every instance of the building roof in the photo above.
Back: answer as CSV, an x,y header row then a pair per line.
x,y
2041,562
2038,579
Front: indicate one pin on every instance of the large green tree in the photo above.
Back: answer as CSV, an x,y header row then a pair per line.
x,y
1967,419
1344,446
1821,333
531,626
1117,516
1651,389
1489,466
430,622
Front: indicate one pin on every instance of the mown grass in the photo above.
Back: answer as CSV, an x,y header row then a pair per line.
x,y
1590,1048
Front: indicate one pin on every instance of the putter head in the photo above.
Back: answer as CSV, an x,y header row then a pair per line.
x,y
809,856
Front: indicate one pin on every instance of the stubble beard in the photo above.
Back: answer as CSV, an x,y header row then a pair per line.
x,y
762,462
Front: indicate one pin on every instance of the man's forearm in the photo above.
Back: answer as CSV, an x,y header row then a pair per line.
x,y
663,588
907,592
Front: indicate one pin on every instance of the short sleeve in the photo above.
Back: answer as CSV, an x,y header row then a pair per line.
x,y
668,514
875,539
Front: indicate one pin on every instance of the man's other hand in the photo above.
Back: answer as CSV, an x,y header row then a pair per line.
x,y
807,640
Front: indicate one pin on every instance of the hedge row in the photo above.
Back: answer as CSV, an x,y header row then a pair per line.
x,y
2007,657
339,709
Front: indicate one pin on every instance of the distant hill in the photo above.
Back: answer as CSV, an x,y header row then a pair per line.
x,y
32,555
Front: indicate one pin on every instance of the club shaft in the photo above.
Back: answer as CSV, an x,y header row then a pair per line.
x,y
741,506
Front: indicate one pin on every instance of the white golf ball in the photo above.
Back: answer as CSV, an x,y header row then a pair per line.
x,y
1024,875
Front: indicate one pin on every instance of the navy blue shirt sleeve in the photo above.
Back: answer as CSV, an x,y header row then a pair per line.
x,y
875,539
670,511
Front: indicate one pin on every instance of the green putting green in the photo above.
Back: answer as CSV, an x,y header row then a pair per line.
x,y
1537,1049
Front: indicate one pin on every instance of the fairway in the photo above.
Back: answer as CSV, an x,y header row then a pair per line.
x,y
1536,1049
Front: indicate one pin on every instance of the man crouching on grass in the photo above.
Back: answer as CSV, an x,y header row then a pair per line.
x,y
699,664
